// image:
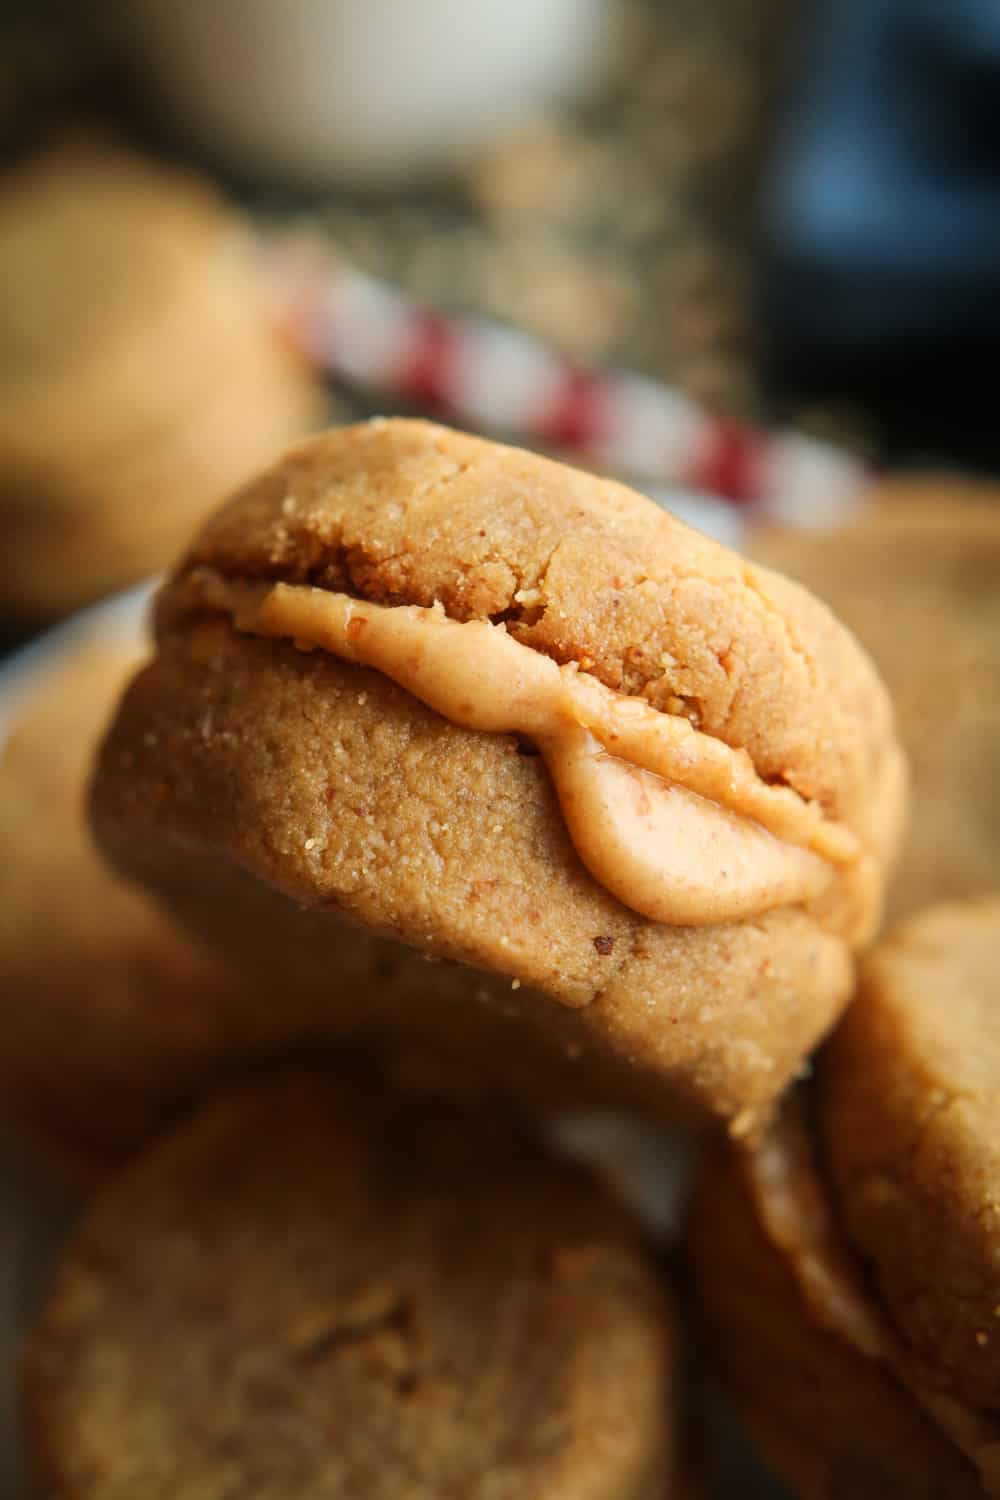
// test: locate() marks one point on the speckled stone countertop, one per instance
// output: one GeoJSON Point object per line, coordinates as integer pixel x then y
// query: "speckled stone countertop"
{"type": "Point", "coordinates": [619, 232]}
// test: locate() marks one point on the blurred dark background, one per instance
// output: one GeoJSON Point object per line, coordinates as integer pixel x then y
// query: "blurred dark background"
{"type": "Point", "coordinates": [784, 208]}
{"type": "Point", "coordinates": [616, 221]}
{"type": "Point", "coordinates": [880, 223]}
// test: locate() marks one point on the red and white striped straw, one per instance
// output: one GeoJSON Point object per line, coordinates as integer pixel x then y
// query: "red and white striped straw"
{"type": "Point", "coordinates": [363, 332]}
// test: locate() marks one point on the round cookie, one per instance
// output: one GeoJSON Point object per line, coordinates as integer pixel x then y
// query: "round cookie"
{"type": "Point", "coordinates": [914, 575]}
{"type": "Point", "coordinates": [246, 774]}
{"type": "Point", "coordinates": [317, 1289]}
{"type": "Point", "coordinates": [911, 1123]}
{"type": "Point", "coordinates": [113, 1019]}
{"type": "Point", "coordinates": [139, 381]}
{"type": "Point", "coordinates": [830, 1420]}
{"type": "Point", "coordinates": [849, 1260]}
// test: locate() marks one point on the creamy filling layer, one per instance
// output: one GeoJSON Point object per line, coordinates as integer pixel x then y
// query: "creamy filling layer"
{"type": "Point", "coordinates": [676, 824]}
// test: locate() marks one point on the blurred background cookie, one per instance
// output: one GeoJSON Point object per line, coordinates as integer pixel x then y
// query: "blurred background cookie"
{"type": "Point", "coordinates": [321, 1289]}
{"type": "Point", "coordinates": [139, 377]}
{"type": "Point", "coordinates": [614, 221]}
{"type": "Point", "coordinates": [916, 575]}
{"type": "Point", "coordinates": [111, 1020]}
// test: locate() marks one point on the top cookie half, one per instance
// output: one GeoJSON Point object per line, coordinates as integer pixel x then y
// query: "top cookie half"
{"type": "Point", "coordinates": [519, 717]}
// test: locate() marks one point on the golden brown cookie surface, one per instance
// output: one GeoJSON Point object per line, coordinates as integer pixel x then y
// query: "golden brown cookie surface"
{"type": "Point", "coordinates": [581, 569]}
{"type": "Point", "coordinates": [138, 376]}
{"type": "Point", "coordinates": [346, 794]}
{"type": "Point", "coordinates": [914, 575]}
{"type": "Point", "coordinates": [911, 1121]}
{"type": "Point", "coordinates": [326, 1291]}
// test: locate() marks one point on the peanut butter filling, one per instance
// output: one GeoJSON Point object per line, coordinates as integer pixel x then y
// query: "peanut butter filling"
{"type": "Point", "coordinates": [676, 824]}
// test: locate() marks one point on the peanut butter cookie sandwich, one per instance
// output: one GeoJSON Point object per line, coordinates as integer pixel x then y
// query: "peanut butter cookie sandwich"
{"type": "Point", "coordinates": [111, 1019]}
{"type": "Point", "coordinates": [446, 699]}
{"type": "Point", "coordinates": [914, 574]}
{"type": "Point", "coordinates": [316, 1289]}
{"type": "Point", "coordinates": [849, 1267]}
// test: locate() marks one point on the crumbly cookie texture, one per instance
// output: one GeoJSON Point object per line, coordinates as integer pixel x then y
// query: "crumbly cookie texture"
{"type": "Point", "coordinates": [913, 574]}
{"type": "Point", "coordinates": [321, 1289]}
{"type": "Point", "coordinates": [259, 758]}
{"type": "Point", "coordinates": [345, 794]}
{"type": "Point", "coordinates": [583, 570]}
{"type": "Point", "coordinates": [911, 1119]}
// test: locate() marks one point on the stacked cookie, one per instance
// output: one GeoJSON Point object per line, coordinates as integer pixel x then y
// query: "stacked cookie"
{"type": "Point", "coordinates": [522, 795]}
{"type": "Point", "coordinates": [139, 378]}
{"type": "Point", "coordinates": [848, 1266]}
{"type": "Point", "coordinates": [418, 695]}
